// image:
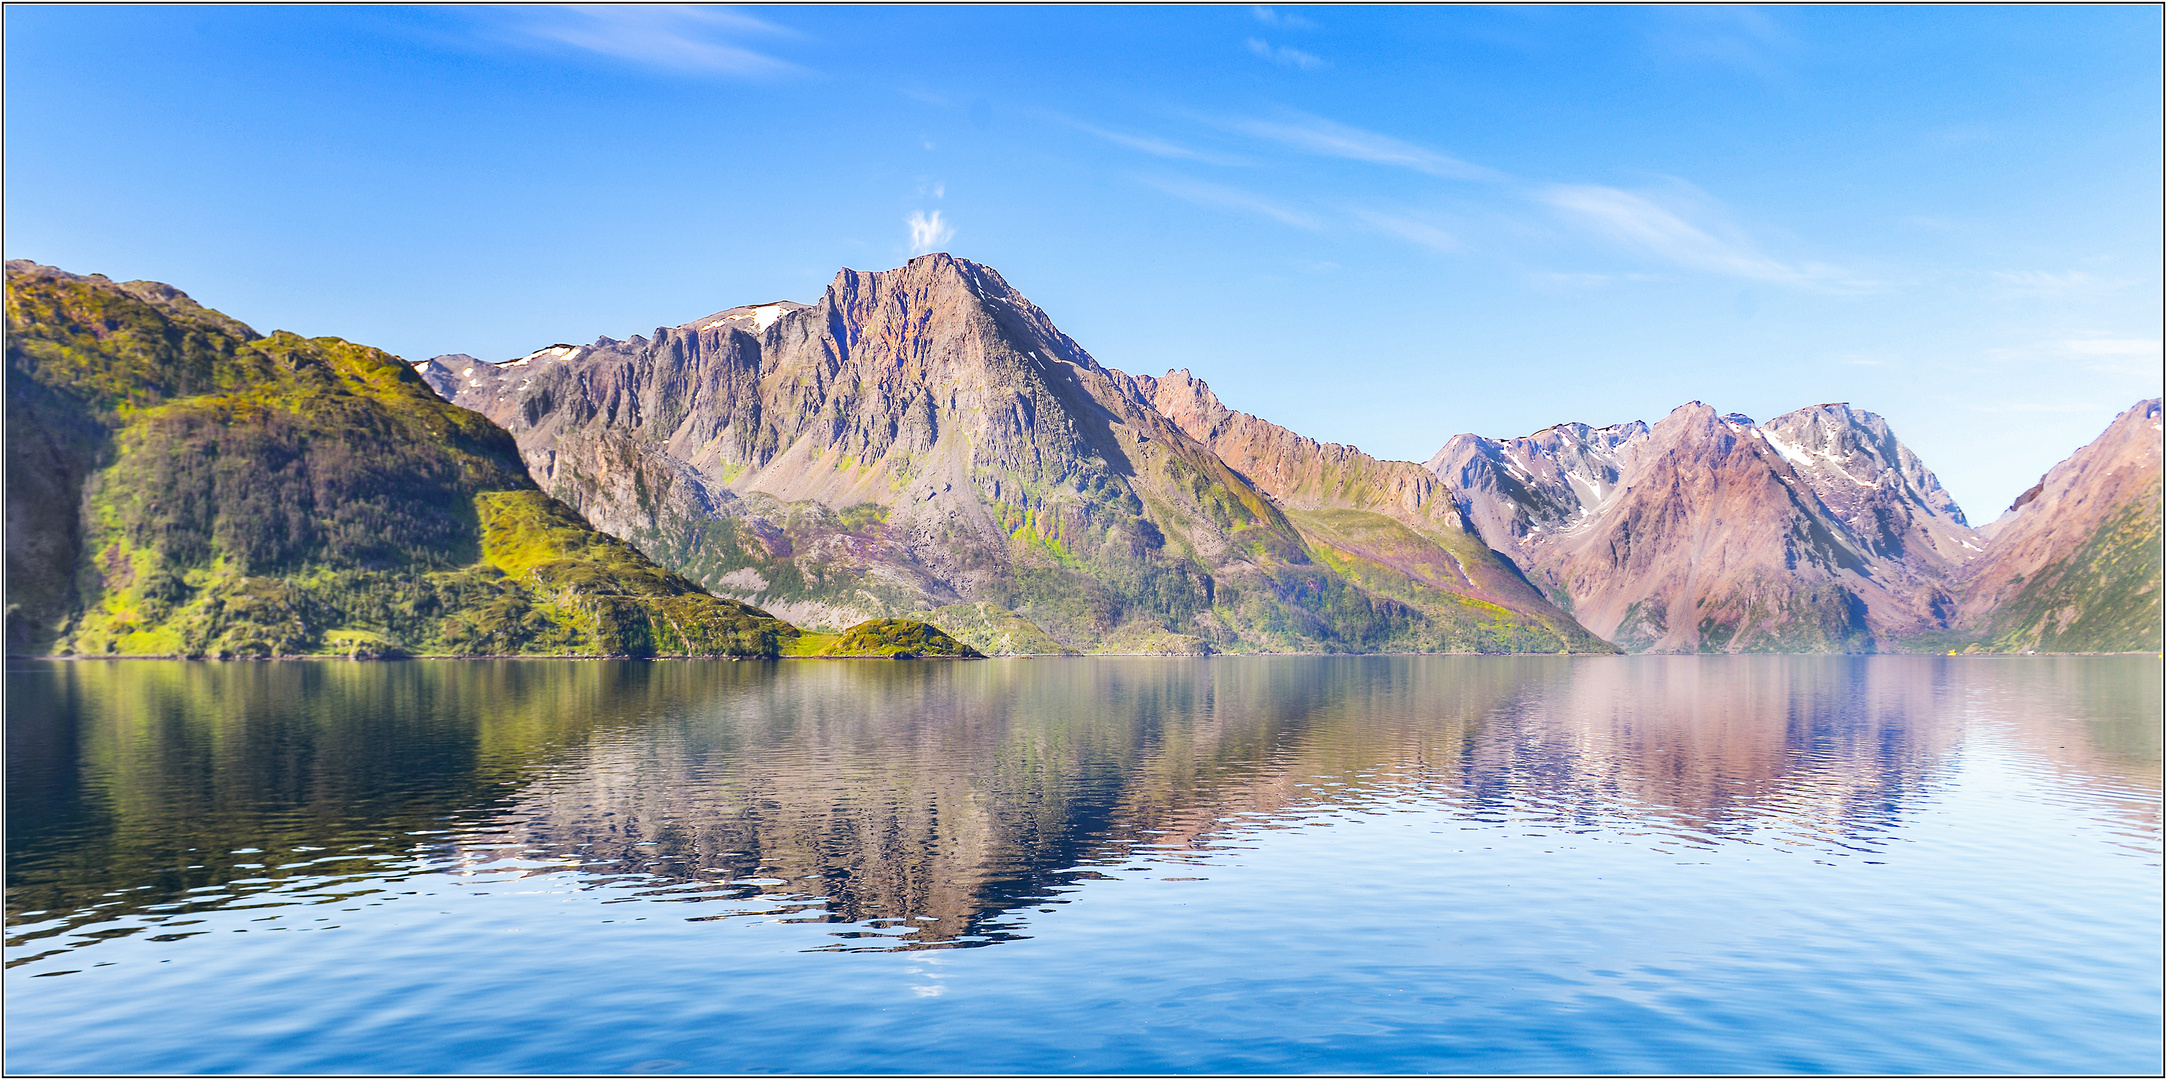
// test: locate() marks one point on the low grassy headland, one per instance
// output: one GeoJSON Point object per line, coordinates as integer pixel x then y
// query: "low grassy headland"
{"type": "Point", "coordinates": [900, 639]}
{"type": "Point", "coordinates": [179, 485]}
{"type": "Point", "coordinates": [993, 630]}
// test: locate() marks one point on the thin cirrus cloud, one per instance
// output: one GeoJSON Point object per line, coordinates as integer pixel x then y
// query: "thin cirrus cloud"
{"type": "Point", "coordinates": [927, 231]}
{"type": "Point", "coordinates": [1639, 224]}
{"type": "Point", "coordinates": [1230, 198]}
{"type": "Point", "coordinates": [681, 39]}
{"type": "Point", "coordinates": [1153, 145]}
{"type": "Point", "coordinates": [1316, 135]}
{"type": "Point", "coordinates": [2113, 346]}
{"type": "Point", "coordinates": [1743, 39]}
{"type": "Point", "coordinates": [1287, 55]}
{"type": "Point", "coordinates": [2056, 283]}
{"type": "Point", "coordinates": [1270, 16]}
{"type": "Point", "coordinates": [1695, 239]}
{"type": "Point", "coordinates": [2135, 357]}
{"type": "Point", "coordinates": [1413, 230]}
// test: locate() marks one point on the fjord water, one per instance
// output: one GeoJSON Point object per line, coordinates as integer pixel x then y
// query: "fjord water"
{"type": "Point", "coordinates": [1402, 864]}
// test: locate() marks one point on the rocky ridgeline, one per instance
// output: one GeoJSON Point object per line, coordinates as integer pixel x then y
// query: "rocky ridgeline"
{"type": "Point", "coordinates": [1817, 530]}
{"type": "Point", "coordinates": [923, 446]}
{"type": "Point", "coordinates": [925, 440]}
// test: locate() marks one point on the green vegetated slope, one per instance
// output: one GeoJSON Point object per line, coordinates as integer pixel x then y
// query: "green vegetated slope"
{"type": "Point", "coordinates": [1428, 572]}
{"type": "Point", "coordinates": [2105, 597]}
{"type": "Point", "coordinates": [180, 485]}
{"type": "Point", "coordinates": [993, 630]}
{"type": "Point", "coordinates": [896, 638]}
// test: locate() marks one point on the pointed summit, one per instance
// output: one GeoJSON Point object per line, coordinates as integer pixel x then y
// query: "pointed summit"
{"type": "Point", "coordinates": [925, 438]}
{"type": "Point", "coordinates": [1815, 531]}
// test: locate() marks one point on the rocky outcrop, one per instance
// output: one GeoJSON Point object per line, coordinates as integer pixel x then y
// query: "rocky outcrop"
{"type": "Point", "coordinates": [1817, 531]}
{"type": "Point", "coordinates": [2074, 564]}
{"type": "Point", "coordinates": [1894, 506]}
{"type": "Point", "coordinates": [926, 437]}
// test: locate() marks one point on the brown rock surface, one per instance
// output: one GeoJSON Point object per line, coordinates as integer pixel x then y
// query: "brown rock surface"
{"type": "Point", "coordinates": [2074, 564]}
{"type": "Point", "coordinates": [1704, 532]}
{"type": "Point", "coordinates": [923, 437]}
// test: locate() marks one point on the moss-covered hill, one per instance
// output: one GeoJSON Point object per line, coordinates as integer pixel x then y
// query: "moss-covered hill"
{"type": "Point", "coordinates": [902, 639]}
{"type": "Point", "coordinates": [179, 484]}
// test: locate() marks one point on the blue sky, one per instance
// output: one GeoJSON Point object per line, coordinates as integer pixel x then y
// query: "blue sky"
{"type": "Point", "coordinates": [1379, 226]}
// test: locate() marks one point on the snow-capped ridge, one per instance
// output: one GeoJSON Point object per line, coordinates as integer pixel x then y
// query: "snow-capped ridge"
{"type": "Point", "coordinates": [559, 351]}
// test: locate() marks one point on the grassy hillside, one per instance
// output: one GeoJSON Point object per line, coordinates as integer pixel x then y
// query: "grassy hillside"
{"type": "Point", "coordinates": [2104, 598]}
{"type": "Point", "coordinates": [901, 639]}
{"type": "Point", "coordinates": [178, 484]}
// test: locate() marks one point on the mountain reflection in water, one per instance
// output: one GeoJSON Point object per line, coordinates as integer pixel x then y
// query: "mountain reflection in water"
{"type": "Point", "coordinates": [932, 805]}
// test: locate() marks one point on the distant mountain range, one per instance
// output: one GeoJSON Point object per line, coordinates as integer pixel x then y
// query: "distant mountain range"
{"type": "Point", "coordinates": [924, 444]}
{"type": "Point", "coordinates": [1816, 531]}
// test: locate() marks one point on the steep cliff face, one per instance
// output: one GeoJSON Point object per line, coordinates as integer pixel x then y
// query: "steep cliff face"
{"type": "Point", "coordinates": [1708, 532]}
{"type": "Point", "coordinates": [178, 484]}
{"type": "Point", "coordinates": [2074, 565]}
{"type": "Point", "coordinates": [923, 438]}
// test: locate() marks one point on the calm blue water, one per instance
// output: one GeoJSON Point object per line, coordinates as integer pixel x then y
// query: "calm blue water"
{"type": "Point", "coordinates": [1452, 864]}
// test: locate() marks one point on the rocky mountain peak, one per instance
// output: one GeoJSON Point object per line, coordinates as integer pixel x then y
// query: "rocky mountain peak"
{"type": "Point", "coordinates": [1649, 532]}
{"type": "Point", "coordinates": [925, 437]}
{"type": "Point", "coordinates": [1188, 401]}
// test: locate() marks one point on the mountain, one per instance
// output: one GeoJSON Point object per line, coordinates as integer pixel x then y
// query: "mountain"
{"type": "Point", "coordinates": [925, 440]}
{"type": "Point", "coordinates": [1816, 531]}
{"type": "Point", "coordinates": [2074, 565]}
{"type": "Point", "coordinates": [1389, 525]}
{"type": "Point", "coordinates": [178, 484]}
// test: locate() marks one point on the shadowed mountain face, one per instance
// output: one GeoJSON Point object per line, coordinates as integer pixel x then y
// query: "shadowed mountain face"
{"type": "Point", "coordinates": [925, 440]}
{"type": "Point", "coordinates": [1817, 531]}
{"type": "Point", "coordinates": [178, 484]}
{"type": "Point", "coordinates": [2074, 565]}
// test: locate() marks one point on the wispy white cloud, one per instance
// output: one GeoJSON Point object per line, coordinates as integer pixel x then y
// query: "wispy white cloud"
{"type": "Point", "coordinates": [2056, 283]}
{"type": "Point", "coordinates": [2135, 358]}
{"type": "Point", "coordinates": [1316, 135]}
{"type": "Point", "coordinates": [1576, 280]}
{"type": "Point", "coordinates": [1414, 230]}
{"type": "Point", "coordinates": [1287, 55]}
{"type": "Point", "coordinates": [2127, 357]}
{"type": "Point", "coordinates": [1743, 39]}
{"type": "Point", "coordinates": [1152, 144]}
{"type": "Point", "coordinates": [1639, 224]}
{"type": "Point", "coordinates": [2113, 346]}
{"type": "Point", "coordinates": [1229, 198]}
{"type": "Point", "coordinates": [689, 39]}
{"type": "Point", "coordinates": [927, 232]}
{"type": "Point", "coordinates": [1270, 16]}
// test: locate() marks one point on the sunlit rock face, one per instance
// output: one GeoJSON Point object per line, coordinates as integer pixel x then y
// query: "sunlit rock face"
{"type": "Point", "coordinates": [1816, 531]}
{"type": "Point", "coordinates": [925, 437]}
{"type": "Point", "coordinates": [1390, 524]}
{"type": "Point", "coordinates": [2074, 565]}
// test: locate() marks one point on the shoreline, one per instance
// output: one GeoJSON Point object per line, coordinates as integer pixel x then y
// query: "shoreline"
{"type": "Point", "coordinates": [1011, 656]}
